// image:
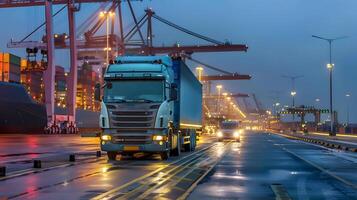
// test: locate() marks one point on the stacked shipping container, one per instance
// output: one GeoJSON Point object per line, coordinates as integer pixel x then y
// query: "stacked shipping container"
{"type": "Point", "coordinates": [33, 82]}
{"type": "Point", "coordinates": [10, 68]}
{"type": "Point", "coordinates": [87, 79]}
{"type": "Point", "coordinates": [15, 69]}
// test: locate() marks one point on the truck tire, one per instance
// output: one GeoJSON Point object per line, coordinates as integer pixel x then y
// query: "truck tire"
{"type": "Point", "coordinates": [193, 146]}
{"type": "Point", "coordinates": [112, 155]}
{"type": "Point", "coordinates": [194, 141]}
{"type": "Point", "coordinates": [165, 155]}
{"type": "Point", "coordinates": [177, 150]}
{"type": "Point", "coordinates": [187, 147]}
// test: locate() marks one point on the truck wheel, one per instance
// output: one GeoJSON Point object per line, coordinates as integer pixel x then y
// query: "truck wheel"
{"type": "Point", "coordinates": [187, 147]}
{"type": "Point", "coordinates": [112, 155]}
{"type": "Point", "coordinates": [193, 146]}
{"type": "Point", "coordinates": [164, 155]}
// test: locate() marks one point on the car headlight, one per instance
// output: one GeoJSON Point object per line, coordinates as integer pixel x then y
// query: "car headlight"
{"type": "Point", "coordinates": [106, 137]}
{"type": "Point", "coordinates": [219, 134]}
{"type": "Point", "coordinates": [236, 134]}
{"type": "Point", "coordinates": [158, 137]}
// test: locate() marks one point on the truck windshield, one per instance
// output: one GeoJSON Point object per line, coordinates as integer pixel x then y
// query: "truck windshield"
{"type": "Point", "coordinates": [134, 91]}
{"type": "Point", "coordinates": [229, 125]}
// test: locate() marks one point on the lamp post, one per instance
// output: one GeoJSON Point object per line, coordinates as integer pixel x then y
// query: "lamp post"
{"type": "Point", "coordinates": [348, 109]}
{"type": "Point", "coordinates": [317, 100]}
{"type": "Point", "coordinates": [293, 91]}
{"type": "Point", "coordinates": [199, 71]}
{"type": "Point", "coordinates": [293, 94]}
{"type": "Point", "coordinates": [219, 88]}
{"type": "Point", "coordinates": [330, 66]}
{"type": "Point", "coordinates": [107, 15]}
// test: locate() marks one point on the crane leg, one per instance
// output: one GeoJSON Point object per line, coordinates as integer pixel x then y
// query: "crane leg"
{"type": "Point", "coordinates": [49, 74]}
{"type": "Point", "coordinates": [72, 79]}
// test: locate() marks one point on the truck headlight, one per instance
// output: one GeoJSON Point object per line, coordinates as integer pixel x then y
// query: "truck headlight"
{"type": "Point", "coordinates": [219, 134]}
{"type": "Point", "coordinates": [158, 138]}
{"type": "Point", "coordinates": [236, 134]}
{"type": "Point", "coordinates": [106, 137]}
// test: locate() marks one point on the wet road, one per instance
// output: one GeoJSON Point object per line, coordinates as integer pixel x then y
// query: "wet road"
{"type": "Point", "coordinates": [90, 176]}
{"type": "Point", "coordinates": [265, 166]}
{"type": "Point", "coordinates": [261, 166]}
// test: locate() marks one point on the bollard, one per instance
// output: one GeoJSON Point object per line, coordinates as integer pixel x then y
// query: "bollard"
{"type": "Point", "coordinates": [2, 171]}
{"type": "Point", "coordinates": [99, 153]}
{"type": "Point", "coordinates": [37, 164]}
{"type": "Point", "coordinates": [72, 158]}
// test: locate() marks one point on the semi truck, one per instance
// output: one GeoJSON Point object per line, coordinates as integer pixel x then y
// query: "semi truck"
{"type": "Point", "coordinates": [150, 104]}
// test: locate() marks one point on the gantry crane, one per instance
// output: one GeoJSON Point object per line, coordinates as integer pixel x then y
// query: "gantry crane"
{"type": "Point", "coordinates": [92, 46]}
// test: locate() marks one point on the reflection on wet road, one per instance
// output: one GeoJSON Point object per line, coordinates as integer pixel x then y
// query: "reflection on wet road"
{"type": "Point", "coordinates": [261, 166]}
{"type": "Point", "coordinates": [265, 166]}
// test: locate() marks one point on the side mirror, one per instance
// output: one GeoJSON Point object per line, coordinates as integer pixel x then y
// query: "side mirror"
{"type": "Point", "coordinates": [173, 92]}
{"type": "Point", "coordinates": [97, 92]}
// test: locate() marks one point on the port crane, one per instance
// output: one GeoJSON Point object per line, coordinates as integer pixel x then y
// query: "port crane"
{"type": "Point", "coordinates": [92, 46]}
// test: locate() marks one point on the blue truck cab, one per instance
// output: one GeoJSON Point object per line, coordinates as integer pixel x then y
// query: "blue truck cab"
{"type": "Point", "coordinates": [149, 104]}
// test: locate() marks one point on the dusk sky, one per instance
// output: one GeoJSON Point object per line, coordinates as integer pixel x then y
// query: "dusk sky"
{"type": "Point", "coordinates": [278, 33]}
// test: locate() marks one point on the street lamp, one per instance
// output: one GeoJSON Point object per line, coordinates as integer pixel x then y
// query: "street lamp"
{"type": "Point", "coordinates": [107, 15]}
{"type": "Point", "coordinates": [348, 109]}
{"type": "Point", "coordinates": [219, 88]}
{"type": "Point", "coordinates": [199, 71]}
{"type": "Point", "coordinates": [317, 101]}
{"type": "Point", "coordinates": [293, 91]}
{"type": "Point", "coordinates": [330, 66]}
{"type": "Point", "coordinates": [293, 94]}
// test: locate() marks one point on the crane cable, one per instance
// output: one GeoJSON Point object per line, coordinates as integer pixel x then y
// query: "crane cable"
{"type": "Point", "coordinates": [207, 65]}
{"type": "Point", "coordinates": [44, 23]}
{"type": "Point", "coordinates": [186, 30]}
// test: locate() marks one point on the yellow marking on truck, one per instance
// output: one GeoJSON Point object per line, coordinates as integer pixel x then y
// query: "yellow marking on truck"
{"type": "Point", "coordinates": [131, 148]}
{"type": "Point", "coordinates": [191, 125]}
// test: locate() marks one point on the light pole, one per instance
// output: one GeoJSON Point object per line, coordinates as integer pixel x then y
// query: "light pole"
{"type": "Point", "coordinates": [330, 66]}
{"type": "Point", "coordinates": [276, 108]}
{"type": "Point", "coordinates": [107, 15]}
{"type": "Point", "coordinates": [348, 109]}
{"type": "Point", "coordinates": [199, 71]}
{"type": "Point", "coordinates": [219, 88]}
{"type": "Point", "coordinates": [317, 100]}
{"type": "Point", "coordinates": [293, 91]}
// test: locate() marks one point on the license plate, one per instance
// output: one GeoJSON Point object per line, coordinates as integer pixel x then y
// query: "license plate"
{"type": "Point", "coordinates": [131, 148]}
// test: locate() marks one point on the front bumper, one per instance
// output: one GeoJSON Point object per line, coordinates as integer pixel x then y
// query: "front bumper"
{"type": "Point", "coordinates": [229, 136]}
{"type": "Point", "coordinates": [153, 147]}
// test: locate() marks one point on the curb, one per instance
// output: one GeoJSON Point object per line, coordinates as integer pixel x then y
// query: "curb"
{"type": "Point", "coordinates": [319, 142]}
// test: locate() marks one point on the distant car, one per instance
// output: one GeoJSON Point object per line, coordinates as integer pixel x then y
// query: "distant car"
{"type": "Point", "coordinates": [229, 130]}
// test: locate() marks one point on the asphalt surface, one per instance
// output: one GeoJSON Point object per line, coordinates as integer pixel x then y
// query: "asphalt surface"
{"type": "Point", "coordinates": [266, 166]}
{"type": "Point", "coordinates": [261, 166]}
{"type": "Point", "coordinates": [60, 179]}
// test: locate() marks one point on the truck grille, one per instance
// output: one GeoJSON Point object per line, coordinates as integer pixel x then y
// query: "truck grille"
{"type": "Point", "coordinates": [128, 116]}
{"type": "Point", "coordinates": [132, 139]}
{"type": "Point", "coordinates": [132, 125]}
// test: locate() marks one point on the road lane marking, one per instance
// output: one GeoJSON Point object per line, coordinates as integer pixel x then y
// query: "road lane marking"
{"type": "Point", "coordinates": [322, 169]}
{"type": "Point", "coordinates": [194, 185]}
{"type": "Point", "coordinates": [348, 183]}
{"type": "Point", "coordinates": [167, 177]}
{"type": "Point", "coordinates": [109, 194]}
{"type": "Point", "coordinates": [280, 192]}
